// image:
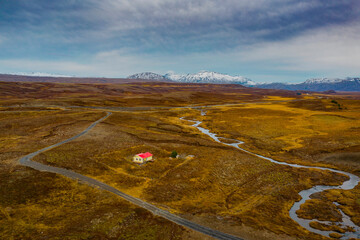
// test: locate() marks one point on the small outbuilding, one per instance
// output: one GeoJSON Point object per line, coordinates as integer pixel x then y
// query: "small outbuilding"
{"type": "Point", "coordinates": [142, 157]}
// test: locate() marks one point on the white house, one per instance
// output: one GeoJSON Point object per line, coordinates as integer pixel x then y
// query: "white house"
{"type": "Point", "coordinates": [142, 157]}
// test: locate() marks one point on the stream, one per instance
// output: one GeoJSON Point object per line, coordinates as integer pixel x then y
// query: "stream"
{"type": "Point", "coordinates": [305, 194]}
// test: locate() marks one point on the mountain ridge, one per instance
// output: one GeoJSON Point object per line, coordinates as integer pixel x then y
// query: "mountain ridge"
{"type": "Point", "coordinates": [147, 76]}
{"type": "Point", "coordinates": [317, 85]}
{"type": "Point", "coordinates": [199, 77]}
{"type": "Point", "coordinates": [40, 74]}
{"type": "Point", "coordinates": [311, 84]}
{"type": "Point", "coordinates": [209, 77]}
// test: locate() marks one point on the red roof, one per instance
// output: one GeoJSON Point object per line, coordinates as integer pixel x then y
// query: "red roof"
{"type": "Point", "coordinates": [145, 155]}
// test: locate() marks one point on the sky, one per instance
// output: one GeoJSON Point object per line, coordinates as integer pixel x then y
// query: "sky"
{"type": "Point", "coordinates": [264, 40]}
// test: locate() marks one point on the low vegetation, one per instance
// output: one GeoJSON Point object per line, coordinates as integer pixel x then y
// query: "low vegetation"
{"type": "Point", "coordinates": [218, 186]}
{"type": "Point", "coordinates": [310, 132]}
{"type": "Point", "coordinates": [35, 205]}
{"type": "Point", "coordinates": [44, 206]}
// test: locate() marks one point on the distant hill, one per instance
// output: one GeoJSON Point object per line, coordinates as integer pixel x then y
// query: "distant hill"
{"type": "Point", "coordinates": [64, 79]}
{"type": "Point", "coordinates": [39, 74]}
{"type": "Point", "coordinates": [200, 77]}
{"type": "Point", "coordinates": [318, 85]}
{"type": "Point", "coordinates": [209, 77]}
{"type": "Point", "coordinates": [313, 84]}
{"type": "Point", "coordinates": [147, 76]}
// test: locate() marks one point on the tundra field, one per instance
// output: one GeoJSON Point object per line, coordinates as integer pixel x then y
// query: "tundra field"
{"type": "Point", "coordinates": [209, 183]}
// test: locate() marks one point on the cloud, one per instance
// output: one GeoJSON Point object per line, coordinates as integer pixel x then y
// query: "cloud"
{"type": "Point", "coordinates": [103, 64]}
{"type": "Point", "coordinates": [334, 50]}
{"type": "Point", "coordinates": [115, 38]}
{"type": "Point", "coordinates": [174, 25]}
{"type": "Point", "coordinates": [196, 25]}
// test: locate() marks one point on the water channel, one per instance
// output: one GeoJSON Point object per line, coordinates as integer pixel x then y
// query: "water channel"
{"type": "Point", "coordinates": [352, 182]}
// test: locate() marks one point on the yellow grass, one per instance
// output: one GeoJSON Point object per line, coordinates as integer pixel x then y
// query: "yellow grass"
{"type": "Point", "coordinates": [230, 187]}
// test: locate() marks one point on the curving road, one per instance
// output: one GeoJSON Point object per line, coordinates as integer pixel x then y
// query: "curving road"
{"type": "Point", "coordinates": [26, 161]}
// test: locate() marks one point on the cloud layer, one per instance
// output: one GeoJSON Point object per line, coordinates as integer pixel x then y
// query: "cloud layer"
{"type": "Point", "coordinates": [168, 34]}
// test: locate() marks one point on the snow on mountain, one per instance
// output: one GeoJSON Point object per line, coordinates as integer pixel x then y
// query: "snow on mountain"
{"type": "Point", "coordinates": [312, 84]}
{"type": "Point", "coordinates": [39, 74]}
{"type": "Point", "coordinates": [326, 80]}
{"type": "Point", "coordinates": [147, 75]}
{"type": "Point", "coordinates": [318, 84]}
{"type": "Point", "coordinates": [209, 77]}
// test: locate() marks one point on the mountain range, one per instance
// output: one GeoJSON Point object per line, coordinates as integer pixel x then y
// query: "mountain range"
{"type": "Point", "coordinates": [318, 85]}
{"type": "Point", "coordinates": [147, 76]}
{"type": "Point", "coordinates": [313, 84]}
{"type": "Point", "coordinates": [40, 74]}
{"type": "Point", "coordinates": [200, 77]}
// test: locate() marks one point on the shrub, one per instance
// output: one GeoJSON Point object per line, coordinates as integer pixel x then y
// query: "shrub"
{"type": "Point", "coordinates": [173, 154]}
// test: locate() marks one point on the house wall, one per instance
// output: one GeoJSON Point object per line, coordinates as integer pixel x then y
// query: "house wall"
{"type": "Point", "coordinates": [138, 159]}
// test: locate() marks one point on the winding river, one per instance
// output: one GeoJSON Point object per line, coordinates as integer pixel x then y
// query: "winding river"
{"type": "Point", "coordinates": [305, 194]}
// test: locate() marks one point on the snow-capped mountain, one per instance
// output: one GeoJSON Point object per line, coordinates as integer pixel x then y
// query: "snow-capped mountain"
{"type": "Point", "coordinates": [147, 76]}
{"type": "Point", "coordinates": [312, 84]}
{"type": "Point", "coordinates": [327, 80]}
{"type": "Point", "coordinates": [39, 74]}
{"type": "Point", "coordinates": [318, 84]}
{"type": "Point", "coordinates": [200, 77]}
{"type": "Point", "coordinates": [209, 77]}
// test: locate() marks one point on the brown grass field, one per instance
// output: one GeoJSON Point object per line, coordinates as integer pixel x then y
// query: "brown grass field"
{"type": "Point", "coordinates": [220, 186]}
